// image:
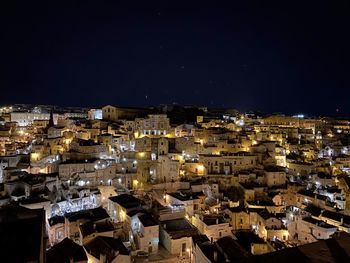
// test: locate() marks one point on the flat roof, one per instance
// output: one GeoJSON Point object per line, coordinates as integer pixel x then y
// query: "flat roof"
{"type": "Point", "coordinates": [317, 222]}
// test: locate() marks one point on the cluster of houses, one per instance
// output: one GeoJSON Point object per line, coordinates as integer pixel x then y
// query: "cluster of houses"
{"type": "Point", "coordinates": [133, 185]}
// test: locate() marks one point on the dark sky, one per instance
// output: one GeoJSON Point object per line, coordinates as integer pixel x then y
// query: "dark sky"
{"type": "Point", "coordinates": [289, 56]}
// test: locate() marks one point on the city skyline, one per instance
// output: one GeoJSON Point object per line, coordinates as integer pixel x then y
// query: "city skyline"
{"type": "Point", "coordinates": [167, 107]}
{"type": "Point", "coordinates": [270, 57]}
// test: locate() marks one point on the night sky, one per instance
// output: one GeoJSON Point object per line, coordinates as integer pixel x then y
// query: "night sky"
{"type": "Point", "coordinates": [286, 56]}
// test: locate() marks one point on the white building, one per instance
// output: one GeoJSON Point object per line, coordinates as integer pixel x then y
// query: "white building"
{"type": "Point", "coordinates": [27, 118]}
{"type": "Point", "coordinates": [176, 236]}
{"type": "Point", "coordinates": [214, 227]}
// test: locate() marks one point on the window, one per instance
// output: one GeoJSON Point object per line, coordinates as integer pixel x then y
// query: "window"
{"type": "Point", "coordinates": [183, 247]}
{"type": "Point", "coordinates": [60, 235]}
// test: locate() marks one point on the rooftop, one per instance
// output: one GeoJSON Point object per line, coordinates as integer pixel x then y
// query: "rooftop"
{"type": "Point", "coordinates": [233, 250]}
{"type": "Point", "coordinates": [66, 250]}
{"type": "Point", "coordinates": [317, 222]}
{"type": "Point", "coordinates": [179, 228]}
{"type": "Point", "coordinates": [266, 215]}
{"type": "Point", "coordinates": [310, 193]}
{"type": "Point", "coordinates": [247, 238]}
{"type": "Point", "coordinates": [251, 185]}
{"type": "Point", "coordinates": [106, 245]}
{"type": "Point", "coordinates": [34, 200]}
{"type": "Point", "coordinates": [336, 216]}
{"type": "Point", "coordinates": [185, 196]}
{"type": "Point", "coordinates": [213, 220]}
{"type": "Point", "coordinates": [127, 201]}
{"type": "Point", "coordinates": [313, 210]}
{"type": "Point", "coordinates": [90, 227]}
{"type": "Point", "coordinates": [147, 220]}
{"type": "Point", "coordinates": [95, 214]}
{"type": "Point", "coordinates": [334, 250]}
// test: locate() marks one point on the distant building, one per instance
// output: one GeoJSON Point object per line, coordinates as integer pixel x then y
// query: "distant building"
{"type": "Point", "coordinates": [27, 118]}
{"type": "Point", "coordinates": [111, 113]}
{"type": "Point", "coordinates": [95, 114]}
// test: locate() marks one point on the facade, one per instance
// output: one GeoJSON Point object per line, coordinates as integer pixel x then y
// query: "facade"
{"type": "Point", "coordinates": [27, 118]}
{"type": "Point", "coordinates": [111, 113]}
{"type": "Point", "coordinates": [228, 164]}
{"type": "Point", "coordinates": [146, 234]}
{"type": "Point", "coordinates": [191, 202]}
{"type": "Point", "coordinates": [176, 236]}
{"type": "Point", "coordinates": [309, 229]}
{"type": "Point", "coordinates": [213, 227]}
{"type": "Point", "coordinates": [154, 125]}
